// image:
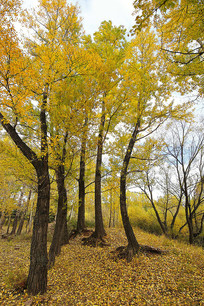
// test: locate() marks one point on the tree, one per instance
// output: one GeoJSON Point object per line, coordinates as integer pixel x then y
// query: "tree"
{"type": "Point", "coordinates": [180, 27]}
{"type": "Point", "coordinates": [13, 71]}
{"type": "Point", "coordinates": [185, 152]}
{"type": "Point", "coordinates": [148, 87]}
{"type": "Point", "coordinates": [23, 213]}
{"type": "Point", "coordinates": [157, 177]}
{"type": "Point", "coordinates": [109, 43]}
{"type": "Point", "coordinates": [26, 86]}
{"type": "Point", "coordinates": [81, 206]}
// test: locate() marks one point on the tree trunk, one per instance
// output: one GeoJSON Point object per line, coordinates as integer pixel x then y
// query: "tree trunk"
{"type": "Point", "coordinates": [111, 208]}
{"type": "Point", "coordinates": [114, 215]}
{"type": "Point", "coordinates": [37, 277]}
{"type": "Point", "coordinates": [21, 222]}
{"type": "Point", "coordinates": [133, 245]}
{"type": "Point", "coordinates": [189, 221]}
{"type": "Point", "coordinates": [2, 220]}
{"type": "Point", "coordinates": [17, 215]}
{"type": "Point", "coordinates": [15, 223]}
{"type": "Point", "coordinates": [20, 227]}
{"type": "Point", "coordinates": [59, 231]}
{"type": "Point", "coordinates": [81, 207]}
{"type": "Point", "coordinates": [30, 221]}
{"type": "Point", "coordinates": [8, 224]}
{"type": "Point", "coordinates": [99, 232]}
{"type": "Point", "coordinates": [175, 214]}
{"type": "Point", "coordinates": [162, 225]}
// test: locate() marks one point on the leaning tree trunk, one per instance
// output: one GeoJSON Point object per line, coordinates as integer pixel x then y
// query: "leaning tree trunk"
{"type": "Point", "coordinates": [37, 277]}
{"type": "Point", "coordinates": [60, 226]}
{"type": "Point", "coordinates": [99, 232]}
{"type": "Point", "coordinates": [133, 245]}
{"type": "Point", "coordinates": [81, 208]}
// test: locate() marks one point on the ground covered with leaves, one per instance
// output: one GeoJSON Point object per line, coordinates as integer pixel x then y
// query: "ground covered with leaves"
{"type": "Point", "coordinates": [86, 275]}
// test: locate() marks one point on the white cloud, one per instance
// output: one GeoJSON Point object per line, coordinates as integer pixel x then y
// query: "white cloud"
{"type": "Point", "coordinates": [96, 11]}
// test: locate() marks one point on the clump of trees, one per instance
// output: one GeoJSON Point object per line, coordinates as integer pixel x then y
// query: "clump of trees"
{"type": "Point", "coordinates": [71, 103]}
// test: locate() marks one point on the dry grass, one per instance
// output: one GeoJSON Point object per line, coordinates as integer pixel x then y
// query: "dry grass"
{"type": "Point", "coordinates": [85, 275]}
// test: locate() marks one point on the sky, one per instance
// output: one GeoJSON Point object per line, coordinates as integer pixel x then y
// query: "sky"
{"type": "Point", "coordinates": [94, 12]}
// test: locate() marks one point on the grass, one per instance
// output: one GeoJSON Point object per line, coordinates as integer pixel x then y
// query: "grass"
{"type": "Point", "coordinates": [85, 275]}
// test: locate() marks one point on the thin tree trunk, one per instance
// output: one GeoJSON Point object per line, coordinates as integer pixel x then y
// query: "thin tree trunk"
{"type": "Point", "coordinates": [81, 205]}
{"type": "Point", "coordinates": [111, 208]}
{"type": "Point", "coordinates": [189, 221]}
{"type": "Point", "coordinates": [30, 221]}
{"type": "Point", "coordinates": [176, 214]}
{"type": "Point", "coordinates": [20, 227]}
{"type": "Point", "coordinates": [2, 220]}
{"type": "Point", "coordinates": [8, 225]}
{"type": "Point", "coordinates": [151, 199]}
{"type": "Point", "coordinates": [18, 214]}
{"type": "Point", "coordinates": [114, 215]}
{"type": "Point", "coordinates": [99, 232]}
{"type": "Point", "coordinates": [133, 245]}
{"type": "Point", "coordinates": [162, 225]}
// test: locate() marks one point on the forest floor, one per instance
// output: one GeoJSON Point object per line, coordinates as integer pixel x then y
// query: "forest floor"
{"type": "Point", "coordinates": [85, 275]}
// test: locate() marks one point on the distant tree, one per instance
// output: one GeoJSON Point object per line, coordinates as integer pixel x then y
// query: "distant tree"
{"type": "Point", "coordinates": [184, 151]}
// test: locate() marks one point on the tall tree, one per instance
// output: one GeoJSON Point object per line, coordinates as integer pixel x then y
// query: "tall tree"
{"type": "Point", "coordinates": [14, 97]}
{"type": "Point", "coordinates": [109, 42]}
{"type": "Point", "coordinates": [81, 206]}
{"type": "Point", "coordinates": [148, 88]}
{"type": "Point", "coordinates": [26, 88]}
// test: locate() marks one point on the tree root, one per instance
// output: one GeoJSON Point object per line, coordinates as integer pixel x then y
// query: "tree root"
{"type": "Point", "coordinates": [95, 241]}
{"type": "Point", "coordinates": [74, 233]}
{"type": "Point", "coordinates": [127, 252]}
{"type": "Point", "coordinates": [150, 249]}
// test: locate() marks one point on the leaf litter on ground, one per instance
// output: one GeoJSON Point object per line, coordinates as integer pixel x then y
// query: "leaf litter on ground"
{"type": "Point", "coordinates": [85, 275]}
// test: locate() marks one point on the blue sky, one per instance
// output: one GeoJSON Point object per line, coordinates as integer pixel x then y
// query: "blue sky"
{"type": "Point", "coordinates": [94, 12]}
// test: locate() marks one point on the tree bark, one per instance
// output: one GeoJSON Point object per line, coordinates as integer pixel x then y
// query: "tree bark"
{"type": "Point", "coordinates": [61, 221]}
{"type": "Point", "coordinates": [37, 277]}
{"type": "Point", "coordinates": [133, 245]}
{"type": "Point", "coordinates": [17, 215]}
{"type": "Point", "coordinates": [22, 219]}
{"type": "Point", "coordinates": [30, 221]}
{"type": "Point", "coordinates": [81, 205]}
{"type": "Point", "coordinates": [8, 225]}
{"type": "Point", "coordinates": [111, 208]}
{"type": "Point", "coordinates": [99, 232]}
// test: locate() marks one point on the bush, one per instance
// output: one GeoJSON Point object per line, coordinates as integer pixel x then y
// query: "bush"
{"type": "Point", "coordinates": [144, 219]}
